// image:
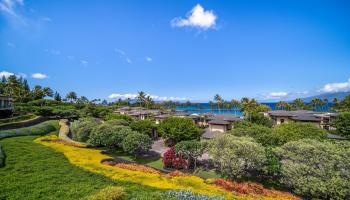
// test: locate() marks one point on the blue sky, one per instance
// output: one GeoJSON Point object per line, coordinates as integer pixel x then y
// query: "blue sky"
{"type": "Point", "coordinates": [180, 49]}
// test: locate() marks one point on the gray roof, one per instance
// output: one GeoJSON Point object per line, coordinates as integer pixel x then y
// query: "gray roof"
{"type": "Point", "coordinates": [285, 113]}
{"type": "Point", "coordinates": [218, 121]}
{"type": "Point", "coordinates": [229, 118]}
{"type": "Point", "coordinates": [164, 116]}
{"type": "Point", "coordinates": [307, 118]}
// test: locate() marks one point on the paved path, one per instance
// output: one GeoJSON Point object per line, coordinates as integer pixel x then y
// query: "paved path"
{"type": "Point", "coordinates": [159, 147]}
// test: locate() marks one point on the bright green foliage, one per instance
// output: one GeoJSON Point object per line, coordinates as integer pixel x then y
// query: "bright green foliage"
{"type": "Point", "coordinates": [118, 122]}
{"type": "Point", "coordinates": [82, 128]}
{"type": "Point", "coordinates": [109, 193]}
{"type": "Point", "coordinates": [237, 157]}
{"type": "Point", "coordinates": [344, 105]}
{"type": "Point", "coordinates": [295, 131]}
{"type": "Point", "coordinates": [34, 172]}
{"type": "Point", "coordinates": [342, 123]}
{"type": "Point", "coordinates": [39, 129]}
{"type": "Point", "coordinates": [191, 149]}
{"type": "Point", "coordinates": [136, 143]}
{"type": "Point", "coordinates": [261, 134]}
{"type": "Point", "coordinates": [177, 129]}
{"type": "Point", "coordinates": [316, 169]}
{"type": "Point", "coordinates": [119, 116]}
{"type": "Point", "coordinates": [260, 119]}
{"type": "Point", "coordinates": [143, 126]}
{"type": "Point", "coordinates": [17, 119]}
{"type": "Point", "coordinates": [108, 135]}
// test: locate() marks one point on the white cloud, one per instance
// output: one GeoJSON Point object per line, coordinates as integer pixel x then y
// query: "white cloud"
{"type": "Point", "coordinates": [148, 59]}
{"type": "Point", "coordinates": [23, 75]}
{"type": "Point", "coordinates": [39, 76]}
{"type": "Point", "coordinates": [154, 97]}
{"type": "Point", "coordinates": [336, 87]}
{"type": "Point", "coordinates": [123, 55]}
{"type": "Point", "coordinates": [9, 6]}
{"type": "Point", "coordinates": [10, 44]}
{"type": "Point", "coordinates": [197, 17]}
{"type": "Point", "coordinates": [46, 19]}
{"type": "Point", "coordinates": [278, 94]}
{"type": "Point", "coordinates": [84, 62]}
{"type": "Point", "coordinates": [6, 74]}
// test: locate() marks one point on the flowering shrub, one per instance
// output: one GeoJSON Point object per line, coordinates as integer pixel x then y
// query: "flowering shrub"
{"type": "Point", "coordinates": [177, 173]}
{"type": "Point", "coordinates": [136, 167]}
{"type": "Point", "coordinates": [109, 193]}
{"type": "Point", "coordinates": [173, 160]}
{"type": "Point", "coordinates": [249, 188]}
{"type": "Point", "coordinates": [188, 195]}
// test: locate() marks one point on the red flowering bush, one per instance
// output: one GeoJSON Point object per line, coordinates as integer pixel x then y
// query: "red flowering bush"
{"type": "Point", "coordinates": [173, 160]}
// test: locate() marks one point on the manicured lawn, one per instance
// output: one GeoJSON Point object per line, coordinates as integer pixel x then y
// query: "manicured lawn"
{"type": "Point", "coordinates": [206, 174]}
{"type": "Point", "coordinates": [33, 171]}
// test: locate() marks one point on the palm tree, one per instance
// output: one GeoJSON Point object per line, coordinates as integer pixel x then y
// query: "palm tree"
{"type": "Point", "coordinates": [335, 100]}
{"type": "Point", "coordinates": [235, 104]}
{"type": "Point", "coordinates": [218, 100]}
{"type": "Point", "coordinates": [141, 98]}
{"type": "Point", "coordinates": [325, 102]}
{"type": "Point", "coordinates": [298, 104]}
{"type": "Point", "coordinates": [316, 102]}
{"type": "Point", "coordinates": [72, 96]}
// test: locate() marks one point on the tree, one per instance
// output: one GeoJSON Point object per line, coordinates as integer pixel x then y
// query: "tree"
{"type": "Point", "coordinates": [298, 104]}
{"type": "Point", "coordinates": [57, 96]}
{"type": "Point", "coordinates": [176, 129]}
{"type": "Point", "coordinates": [82, 128]}
{"type": "Point", "coordinates": [237, 157]}
{"type": "Point", "coordinates": [316, 170]}
{"type": "Point", "coordinates": [343, 105]}
{"type": "Point", "coordinates": [191, 150]}
{"type": "Point", "coordinates": [218, 100]}
{"type": "Point", "coordinates": [141, 98]}
{"type": "Point", "coordinates": [146, 127]}
{"type": "Point", "coordinates": [342, 124]}
{"type": "Point", "coordinates": [72, 96]}
{"type": "Point", "coordinates": [136, 143]}
{"type": "Point", "coordinates": [261, 134]}
{"type": "Point", "coordinates": [260, 119]}
{"type": "Point", "coordinates": [282, 105]}
{"type": "Point", "coordinates": [236, 105]}
{"type": "Point", "coordinates": [295, 131]}
{"type": "Point", "coordinates": [111, 116]}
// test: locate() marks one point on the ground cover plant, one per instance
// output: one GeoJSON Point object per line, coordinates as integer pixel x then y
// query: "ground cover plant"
{"type": "Point", "coordinates": [34, 171]}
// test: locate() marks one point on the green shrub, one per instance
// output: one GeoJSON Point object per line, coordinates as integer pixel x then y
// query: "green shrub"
{"type": "Point", "coordinates": [66, 113]}
{"type": "Point", "coordinates": [109, 193]}
{"type": "Point", "coordinates": [2, 157]}
{"type": "Point", "coordinates": [342, 124]}
{"type": "Point", "coordinates": [118, 122]}
{"type": "Point", "coordinates": [261, 134]}
{"type": "Point", "coordinates": [136, 143]}
{"type": "Point", "coordinates": [237, 157]}
{"type": "Point", "coordinates": [191, 149]}
{"type": "Point", "coordinates": [143, 126]}
{"type": "Point", "coordinates": [260, 119]}
{"type": "Point", "coordinates": [108, 135]}
{"type": "Point", "coordinates": [316, 169]}
{"type": "Point", "coordinates": [82, 128]}
{"type": "Point", "coordinates": [39, 129]}
{"type": "Point", "coordinates": [119, 116]}
{"type": "Point", "coordinates": [295, 131]}
{"type": "Point", "coordinates": [176, 129]}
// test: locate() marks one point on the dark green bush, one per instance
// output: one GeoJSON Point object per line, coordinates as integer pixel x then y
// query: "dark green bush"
{"type": "Point", "coordinates": [2, 157]}
{"type": "Point", "coordinates": [136, 143]}
{"type": "Point", "coordinates": [82, 128]}
{"type": "Point", "coordinates": [342, 124]}
{"type": "Point", "coordinates": [118, 122]}
{"type": "Point", "coordinates": [111, 116]}
{"type": "Point", "coordinates": [108, 135]}
{"type": "Point", "coordinates": [144, 126]}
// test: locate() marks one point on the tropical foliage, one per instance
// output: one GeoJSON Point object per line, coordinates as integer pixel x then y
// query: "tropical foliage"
{"type": "Point", "coordinates": [191, 150]}
{"type": "Point", "coordinates": [342, 124]}
{"type": "Point", "coordinates": [136, 143]}
{"type": "Point", "coordinates": [316, 169]}
{"type": "Point", "coordinates": [146, 127]}
{"type": "Point", "coordinates": [82, 128]}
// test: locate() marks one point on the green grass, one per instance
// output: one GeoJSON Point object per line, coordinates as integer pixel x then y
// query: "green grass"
{"type": "Point", "coordinates": [33, 171]}
{"type": "Point", "coordinates": [206, 173]}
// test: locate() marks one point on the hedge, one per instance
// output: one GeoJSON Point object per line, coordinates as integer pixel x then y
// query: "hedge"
{"type": "Point", "coordinates": [39, 129]}
{"type": "Point", "coordinates": [21, 124]}
{"type": "Point", "coordinates": [17, 118]}
{"type": "Point", "coordinates": [2, 157]}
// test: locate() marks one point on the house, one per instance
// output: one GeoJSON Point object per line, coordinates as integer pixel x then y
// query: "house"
{"type": "Point", "coordinates": [6, 106]}
{"type": "Point", "coordinates": [160, 118]}
{"type": "Point", "coordinates": [219, 124]}
{"type": "Point", "coordinates": [322, 120]}
{"type": "Point", "coordinates": [143, 114]}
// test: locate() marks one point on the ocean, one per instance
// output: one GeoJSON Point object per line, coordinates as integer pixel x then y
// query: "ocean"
{"type": "Point", "coordinates": [205, 108]}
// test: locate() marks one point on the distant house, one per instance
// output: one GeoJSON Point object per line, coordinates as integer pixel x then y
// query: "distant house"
{"type": "Point", "coordinates": [6, 106]}
{"type": "Point", "coordinates": [143, 114]}
{"type": "Point", "coordinates": [322, 120]}
{"type": "Point", "coordinates": [219, 124]}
